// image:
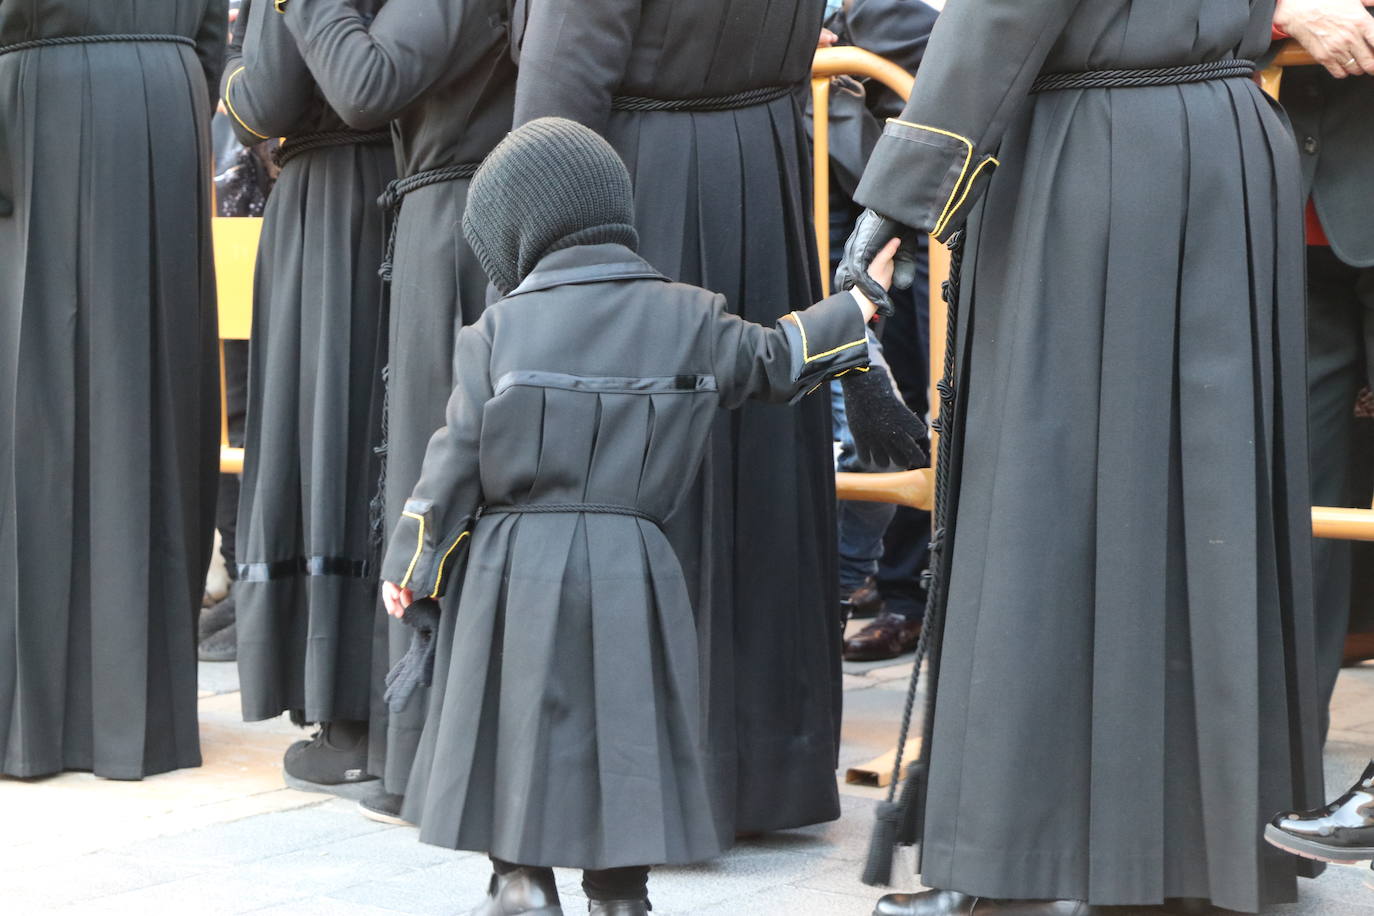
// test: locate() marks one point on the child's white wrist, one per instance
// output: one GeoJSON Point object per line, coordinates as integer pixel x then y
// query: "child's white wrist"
{"type": "Point", "coordinates": [865, 306]}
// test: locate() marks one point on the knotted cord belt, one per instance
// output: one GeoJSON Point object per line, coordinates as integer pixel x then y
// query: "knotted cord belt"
{"type": "Point", "coordinates": [745, 99]}
{"type": "Point", "coordinates": [92, 40]}
{"type": "Point", "coordinates": [395, 195]}
{"type": "Point", "coordinates": [1156, 76]}
{"type": "Point", "coordinates": [291, 147]}
{"type": "Point", "coordinates": [898, 820]}
{"type": "Point", "coordinates": [570, 509]}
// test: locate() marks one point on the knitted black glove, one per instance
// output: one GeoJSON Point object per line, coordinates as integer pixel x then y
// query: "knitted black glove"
{"type": "Point", "coordinates": [871, 233]}
{"type": "Point", "coordinates": [416, 667]}
{"type": "Point", "coordinates": [886, 433]}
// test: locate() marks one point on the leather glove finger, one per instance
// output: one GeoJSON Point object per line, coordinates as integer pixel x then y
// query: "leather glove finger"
{"type": "Point", "coordinates": [871, 233]}
{"type": "Point", "coordinates": [904, 263]}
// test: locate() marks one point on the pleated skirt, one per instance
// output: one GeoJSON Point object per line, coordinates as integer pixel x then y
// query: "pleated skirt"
{"type": "Point", "coordinates": [1127, 689]}
{"type": "Point", "coordinates": [438, 286]}
{"type": "Point", "coordinates": [565, 722]}
{"type": "Point", "coordinates": [722, 201]}
{"type": "Point", "coordinates": [307, 595]}
{"type": "Point", "coordinates": [108, 407]}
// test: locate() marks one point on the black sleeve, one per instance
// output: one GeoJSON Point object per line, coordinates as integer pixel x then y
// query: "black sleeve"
{"type": "Point", "coordinates": [572, 56]}
{"type": "Point", "coordinates": [932, 164]}
{"type": "Point", "coordinates": [267, 87]}
{"type": "Point", "coordinates": [370, 73]}
{"type": "Point", "coordinates": [211, 37]}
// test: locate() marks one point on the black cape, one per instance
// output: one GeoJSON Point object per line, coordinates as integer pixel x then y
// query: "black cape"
{"type": "Point", "coordinates": [1126, 686]}
{"type": "Point", "coordinates": [565, 727]}
{"type": "Point", "coordinates": [109, 377]}
{"type": "Point", "coordinates": [722, 201]}
{"type": "Point", "coordinates": [306, 592]}
{"type": "Point", "coordinates": [440, 72]}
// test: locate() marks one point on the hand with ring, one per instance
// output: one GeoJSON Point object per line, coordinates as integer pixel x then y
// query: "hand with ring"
{"type": "Point", "coordinates": [1339, 34]}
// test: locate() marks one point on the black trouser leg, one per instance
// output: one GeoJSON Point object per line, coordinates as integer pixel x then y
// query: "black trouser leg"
{"type": "Point", "coordinates": [1336, 370]}
{"type": "Point", "coordinates": [616, 883]}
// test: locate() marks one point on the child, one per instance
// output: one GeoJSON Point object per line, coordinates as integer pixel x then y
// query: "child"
{"type": "Point", "coordinates": [563, 726]}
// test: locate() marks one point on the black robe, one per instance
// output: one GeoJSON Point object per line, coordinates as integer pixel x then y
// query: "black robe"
{"type": "Point", "coordinates": [306, 593]}
{"type": "Point", "coordinates": [109, 381]}
{"type": "Point", "coordinates": [566, 723]}
{"type": "Point", "coordinates": [1126, 690]}
{"type": "Point", "coordinates": [440, 71]}
{"type": "Point", "coordinates": [722, 201]}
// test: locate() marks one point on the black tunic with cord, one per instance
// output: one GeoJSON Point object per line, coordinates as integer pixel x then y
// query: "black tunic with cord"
{"type": "Point", "coordinates": [108, 379]}
{"type": "Point", "coordinates": [439, 71]}
{"type": "Point", "coordinates": [307, 590]}
{"type": "Point", "coordinates": [722, 201]}
{"type": "Point", "coordinates": [1126, 687]}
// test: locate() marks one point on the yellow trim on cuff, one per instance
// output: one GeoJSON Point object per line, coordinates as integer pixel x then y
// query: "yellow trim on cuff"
{"type": "Point", "coordinates": [806, 357]}
{"type": "Point", "coordinates": [967, 188]}
{"type": "Point", "coordinates": [229, 103]}
{"type": "Point", "coordinates": [419, 548]}
{"type": "Point", "coordinates": [438, 580]}
{"type": "Point", "coordinates": [280, 5]}
{"type": "Point", "coordinates": [949, 209]}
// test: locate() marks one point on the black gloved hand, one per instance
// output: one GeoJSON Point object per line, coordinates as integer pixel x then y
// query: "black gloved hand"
{"type": "Point", "coordinates": [887, 434]}
{"type": "Point", "coordinates": [416, 667]}
{"type": "Point", "coordinates": [871, 233]}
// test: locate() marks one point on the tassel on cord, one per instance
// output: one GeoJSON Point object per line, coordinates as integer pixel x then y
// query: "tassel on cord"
{"type": "Point", "coordinates": [899, 819]}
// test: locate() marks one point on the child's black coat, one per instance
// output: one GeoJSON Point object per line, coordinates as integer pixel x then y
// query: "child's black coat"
{"type": "Point", "coordinates": [564, 722]}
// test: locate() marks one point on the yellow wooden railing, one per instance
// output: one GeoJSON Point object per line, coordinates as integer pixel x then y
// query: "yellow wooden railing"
{"type": "Point", "coordinates": [236, 251]}
{"type": "Point", "coordinates": [915, 488]}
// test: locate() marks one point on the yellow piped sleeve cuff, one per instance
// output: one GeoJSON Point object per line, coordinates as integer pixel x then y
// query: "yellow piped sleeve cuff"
{"type": "Point", "coordinates": [420, 556]}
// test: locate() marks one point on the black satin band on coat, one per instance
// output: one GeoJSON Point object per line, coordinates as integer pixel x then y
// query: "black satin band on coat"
{"type": "Point", "coordinates": [304, 566]}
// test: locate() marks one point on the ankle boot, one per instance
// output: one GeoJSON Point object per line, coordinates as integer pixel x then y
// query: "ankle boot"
{"type": "Point", "coordinates": [639, 907]}
{"type": "Point", "coordinates": [523, 891]}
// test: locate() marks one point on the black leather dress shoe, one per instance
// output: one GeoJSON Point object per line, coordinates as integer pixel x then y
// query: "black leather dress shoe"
{"type": "Point", "coordinates": [521, 892]}
{"type": "Point", "coordinates": [953, 903]}
{"type": "Point", "coordinates": [1342, 832]}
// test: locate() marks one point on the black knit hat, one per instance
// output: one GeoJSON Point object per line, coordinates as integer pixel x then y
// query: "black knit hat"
{"type": "Point", "coordinates": [551, 184]}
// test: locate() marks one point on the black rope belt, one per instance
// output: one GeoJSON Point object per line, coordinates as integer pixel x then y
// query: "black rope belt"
{"type": "Point", "coordinates": [1159, 76]}
{"type": "Point", "coordinates": [291, 147]}
{"type": "Point", "coordinates": [304, 566]}
{"type": "Point", "coordinates": [395, 195]}
{"type": "Point", "coordinates": [570, 509]}
{"type": "Point", "coordinates": [92, 40]}
{"type": "Point", "coordinates": [746, 99]}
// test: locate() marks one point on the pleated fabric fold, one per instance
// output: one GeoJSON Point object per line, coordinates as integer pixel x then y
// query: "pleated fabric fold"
{"type": "Point", "coordinates": [306, 596]}
{"type": "Point", "coordinates": [1126, 688]}
{"type": "Point", "coordinates": [109, 404]}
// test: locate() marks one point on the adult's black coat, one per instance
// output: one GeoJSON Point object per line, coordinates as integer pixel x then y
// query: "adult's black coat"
{"type": "Point", "coordinates": [108, 381]}
{"type": "Point", "coordinates": [565, 724]}
{"type": "Point", "coordinates": [1126, 686]}
{"type": "Point", "coordinates": [306, 593]}
{"type": "Point", "coordinates": [722, 201]}
{"type": "Point", "coordinates": [440, 72]}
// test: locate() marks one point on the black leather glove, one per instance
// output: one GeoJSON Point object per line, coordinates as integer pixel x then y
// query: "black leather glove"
{"type": "Point", "coordinates": [886, 433]}
{"type": "Point", "coordinates": [871, 233]}
{"type": "Point", "coordinates": [416, 667]}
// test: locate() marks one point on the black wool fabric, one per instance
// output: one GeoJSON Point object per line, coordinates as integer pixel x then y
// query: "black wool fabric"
{"type": "Point", "coordinates": [550, 184]}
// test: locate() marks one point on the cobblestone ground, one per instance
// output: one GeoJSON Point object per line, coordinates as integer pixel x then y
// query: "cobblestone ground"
{"type": "Point", "coordinates": [231, 838]}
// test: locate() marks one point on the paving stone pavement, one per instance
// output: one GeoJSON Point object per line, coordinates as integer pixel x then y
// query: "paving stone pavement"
{"type": "Point", "coordinates": [230, 838]}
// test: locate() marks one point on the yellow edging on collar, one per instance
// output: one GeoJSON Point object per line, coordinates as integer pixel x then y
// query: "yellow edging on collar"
{"type": "Point", "coordinates": [419, 547]}
{"type": "Point", "coordinates": [438, 580]}
{"type": "Point", "coordinates": [967, 188]}
{"type": "Point", "coordinates": [806, 357]}
{"type": "Point", "coordinates": [229, 104]}
{"type": "Point", "coordinates": [968, 158]}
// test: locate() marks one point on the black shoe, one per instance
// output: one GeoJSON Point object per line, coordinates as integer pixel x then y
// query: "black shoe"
{"type": "Point", "coordinates": [215, 618]}
{"type": "Point", "coordinates": [888, 636]}
{"type": "Point", "coordinates": [521, 892]}
{"type": "Point", "coordinates": [619, 908]}
{"type": "Point", "coordinates": [222, 646]}
{"type": "Point", "coordinates": [336, 756]}
{"type": "Point", "coordinates": [953, 903]}
{"type": "Point", "coordinates": [1341, 832]}
{"type": "Point", "coordinates": [384, 808]}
